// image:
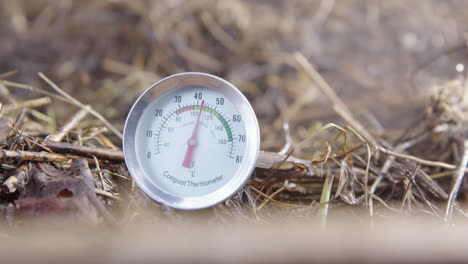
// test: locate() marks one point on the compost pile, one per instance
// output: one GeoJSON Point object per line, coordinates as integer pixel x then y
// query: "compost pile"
{"type": "Point", "coordinates": [359, 109]}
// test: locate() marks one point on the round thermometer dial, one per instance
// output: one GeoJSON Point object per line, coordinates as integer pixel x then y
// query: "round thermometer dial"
{"type": "Point", "coordinates": [191, 140]}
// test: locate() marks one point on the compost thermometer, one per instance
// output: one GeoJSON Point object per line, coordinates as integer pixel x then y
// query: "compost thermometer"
{"type": "Point", "coordinates": [191, 140]}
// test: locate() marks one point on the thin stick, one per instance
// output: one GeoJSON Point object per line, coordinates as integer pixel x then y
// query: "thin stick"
{"type": "Point", "coordinates": [41, 116]}
{"type": "Point", "coordinates": [72, 123]}
{"type": "Point", "coordinates": [7, 167]}
{"type": "Point", "coordinates": [460, 173]}
{"type": "Point", "coordinates": [418, 160]}
{"type": "Point", "coordinates": [268, 160]}
{"type": "Point", "coordinates": [369, 156]}
{"type": "Point", "coordinates": [111, 173]}
{"type": "Point", "coordinates": [106, 142]}
{"type": "Point", "coordinates": [94, 133]}
{"type": "Point", "coordinates": [8, 74]}
{"type": "Point", "coordinates": [338, 105]}
{"type": "Point", "coordinates": [432, 186]}
{"type": "Point", "coordinates": [32, 156]}
{"type": "Point", "coordinates": [218, 32]}
{"type": "Point", "coordinates": [101, 176]}
{"type": "Point", "coordinates": [382, 174]}
{"type": "Point", "coordinates": [434, 208]}
{"type": "Point", "coordinates": [288, 145]}
{"type": "Point", "coordinates": [30, 88]}
{"type": "Point", "coordinates": [36, 156]}
{"type": "Point", "coordinates": [275, 201]}
{"type": "Point", "coordinates": [407, 193]}
{"type": "Point", "coordinates": [79, 104]}
{"type": "Point", "coordinates": [106, 194]}
{"type": "Point", "coordinates": [10, 185]}
{"type": "Point", "coordinates": [26, 104]}
{"type": "Point", "coordinates": [86, 151]}
{"type": "Point", "coordinates": [444, 174]}
{"type": "Point", "coordinates": [323, 11]}
{"type": "Point", "coordinates": [271, 196]}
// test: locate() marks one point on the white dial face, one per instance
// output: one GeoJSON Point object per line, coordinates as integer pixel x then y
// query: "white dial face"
{"type": "Point", "coordinates": [191, 141]}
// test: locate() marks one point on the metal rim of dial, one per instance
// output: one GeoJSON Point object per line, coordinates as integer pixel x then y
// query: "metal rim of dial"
{"type": "Point", "coordinates": [181, 80]}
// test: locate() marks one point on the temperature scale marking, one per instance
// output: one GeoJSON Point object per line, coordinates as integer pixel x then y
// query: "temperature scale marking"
{"type": "Point", "coordinates": [209, 111]}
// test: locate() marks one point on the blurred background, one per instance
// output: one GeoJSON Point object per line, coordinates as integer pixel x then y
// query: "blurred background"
{"type": "Point", "coordinates": [384, 59]}
{"type": "Point", "coordinates": [107, 52]}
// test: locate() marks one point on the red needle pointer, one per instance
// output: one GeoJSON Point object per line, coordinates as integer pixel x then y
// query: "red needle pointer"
{"type": "Point", "coordinates": [192, 142]}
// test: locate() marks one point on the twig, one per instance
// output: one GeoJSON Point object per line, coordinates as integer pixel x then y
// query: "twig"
{"type": "Point", "coordinates": [252, 200]}
{"type": "Point", "coordinates": [338, 105]}
{"type": "Point", "coordinates": [323, 11]}
{"type": "Point", "coordinates": [369, 156]}
{"type": "Point", "coordinates": [32, 156]}
{"type": "Point", "coordinates": [275, 201]}
{"type": "Point", "coordinates": [79, 104]}
{"type": "Point", "coordinates": [111, 173]}
{"type": "Point", "coordinates": [8, 74]}
{"type": "Point", "coordinates": [101, 176]}
{"type": "Point", "coordinates": [30, 88]}
{"type": "Point", "coordinates": [288, 145]}
{"type": "Point", "coordinates": [11, 184]}
{"type": "Point", "coordinates": [121, 68]}
{"type": "Point", "coordinates": [36, 156]}
{"type": "Point", "coordinates": [433, 187]}
{"type": "Point", "coordinates": [418, 160]}
{"type": "Point", "coordinates": [434, 208]}
{"type": "Point", "coordinates": [106, 142]}
{"type": "Point", "coordinates": [94, 132]}
{"type": "Point", "coordinates": [407, 193]}
{"type": "Point", "coordinates": [26, 104]}
{"type": "Point", "coordinates": [443, 174]}
{"type": "Point", "coordinates": [421, 174]}
{"type": "Point", "coordinates": [72, 123]}
{"type": "Point", "coordinates": [7, 167]}
{"type": "Point", "coordinates": [86, 151]}
{"type": "Point", "coordinates": [271, 196]}
{"type": "Point", "coordinates": [106, 194]}
{"type": "Point", "coordinates": [195, 56]}
{"type": "Point", "coordinates": [383, 173]}
{"type": "Point", "coordinates": [460, 173]}
{"type": "Point", "coordinates": [39, 115]}
{"type": "Point", "coordinates": [388, 163]}
{"type": "Point", "coordinates": [218, 32]}
{"type": "Point", "coordinates": [268, 160]}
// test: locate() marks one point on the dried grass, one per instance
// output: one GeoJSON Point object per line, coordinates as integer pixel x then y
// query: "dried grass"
{"type": "Point", "coordinates": [365, 161]}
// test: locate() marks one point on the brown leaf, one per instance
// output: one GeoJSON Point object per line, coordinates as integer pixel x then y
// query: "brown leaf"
{"type": "Point", "coordinates": [51, 192]}
{"type": "Point", "coordinates": [47, 181]}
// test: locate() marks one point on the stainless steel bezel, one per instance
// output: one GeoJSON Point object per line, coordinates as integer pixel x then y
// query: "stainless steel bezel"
{"type": "Point", "coordinates": [177, 81]}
